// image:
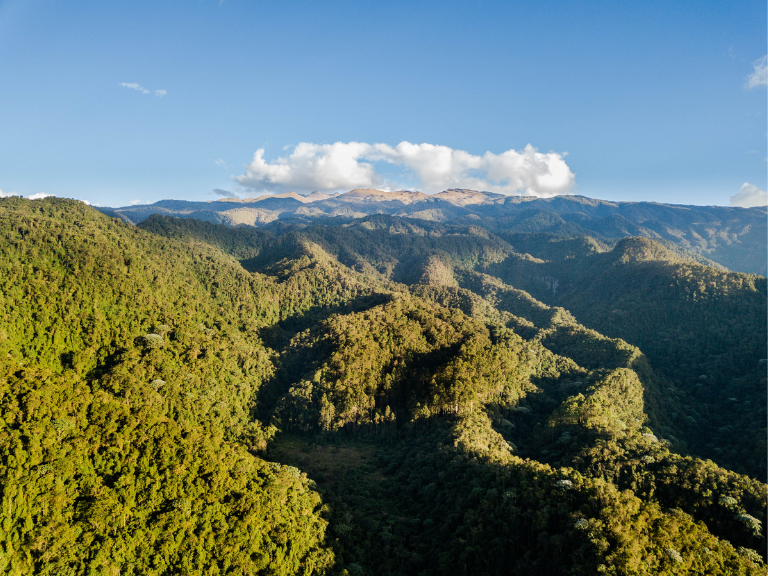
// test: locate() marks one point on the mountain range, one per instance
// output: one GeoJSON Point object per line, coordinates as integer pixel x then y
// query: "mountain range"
{"type": "Point", "coordinates": [731, 237]}
{"type": "Point", "coordinates": [507, 391]}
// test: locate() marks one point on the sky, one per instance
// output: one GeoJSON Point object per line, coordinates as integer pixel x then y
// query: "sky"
{"type": "Point", "coordinates": [119, 103]}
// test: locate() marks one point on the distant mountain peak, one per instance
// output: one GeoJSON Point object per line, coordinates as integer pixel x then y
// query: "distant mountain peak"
{"type": "Point", "coordinates": [301, 198]}
{"type": "Point", "coordinates": [637, 249]}
{"type": "Point", "coordinates": [372, 195]}
{"type": "Point", "coordinates": [462, 197]}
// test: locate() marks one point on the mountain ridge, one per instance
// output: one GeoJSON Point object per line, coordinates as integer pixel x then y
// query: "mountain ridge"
{"type": "Point", "coordinates": [381, 395]}
{"type": "Point", "coordinates": [732, 237]}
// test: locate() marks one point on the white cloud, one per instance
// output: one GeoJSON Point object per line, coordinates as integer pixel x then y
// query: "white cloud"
{"type": "Point", "coordinates": [38, 196]}
{"type": "Point", "coordinates": [749, 196]}
{"type": "Point", "coordinates": [134, 86]}
{"type": "Point", "coordinates": [7, 194]}
{"type": "Point", "coordinates": [220, 162]}
{"type": "Point", "coordinates": [140, 88]}
{"type": "Point", "coordinates": [347, 165]}
{"type": "Point", "coordinates": [136, 202]}
{"type": "Point", "coordinates": [760, 76]}
{"type": "Point", "coordinates": [312, 167]}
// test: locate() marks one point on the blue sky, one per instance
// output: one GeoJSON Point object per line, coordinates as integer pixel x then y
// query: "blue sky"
{"type": "Point", "coordinates": [620, 100]}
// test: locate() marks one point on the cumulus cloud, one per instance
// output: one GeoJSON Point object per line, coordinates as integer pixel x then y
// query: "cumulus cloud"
{"type": "Point", "coordinates": [161, 93]}
{"type": "Point", "coordinates": [749, 196]}
{"type": "Point", "coordinates": [312, 167]}
{"type": "Point", "coordinates": [134, 86]}
{"type": "Point", "coordinates": [760, 76]}
{"type": "Point", "coordinates": [347, 165]}
{"type": "Point", "coordinates": [136, 202]}
{"type": "Point", "coordinates": [7, 194]}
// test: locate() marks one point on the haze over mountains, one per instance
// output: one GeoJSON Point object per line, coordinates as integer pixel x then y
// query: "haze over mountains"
{"type": "Point", "coordinates": [731, 237]}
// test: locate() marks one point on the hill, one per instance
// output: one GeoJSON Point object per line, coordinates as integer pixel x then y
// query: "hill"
{"type": "Point", "coordinates": [128, 368]}
{"type": "Point", "coordinates": [376, 395]}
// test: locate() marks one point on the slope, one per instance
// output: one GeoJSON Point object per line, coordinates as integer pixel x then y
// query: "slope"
{"type": "Point", "coordinates": [128, 368]}
{"type": "Point", "coordinates": [437, 356]}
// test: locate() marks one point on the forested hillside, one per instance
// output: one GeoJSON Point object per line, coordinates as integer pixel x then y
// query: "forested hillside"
{"type": "Point", "coordinates": [129, 367]}
{"type": "Point", "coordinates": [373, 395]}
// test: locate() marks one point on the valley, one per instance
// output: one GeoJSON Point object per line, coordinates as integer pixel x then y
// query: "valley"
{"type": "Point", "coordinates": [455, 384]}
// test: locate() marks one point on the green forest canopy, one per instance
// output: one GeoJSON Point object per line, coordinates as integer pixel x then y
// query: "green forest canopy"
{"type": "Point", "coordinates": [379, 396]}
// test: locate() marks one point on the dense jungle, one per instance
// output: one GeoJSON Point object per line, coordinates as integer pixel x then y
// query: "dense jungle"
{"type": "Point", "coordinates": [375, 394]}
